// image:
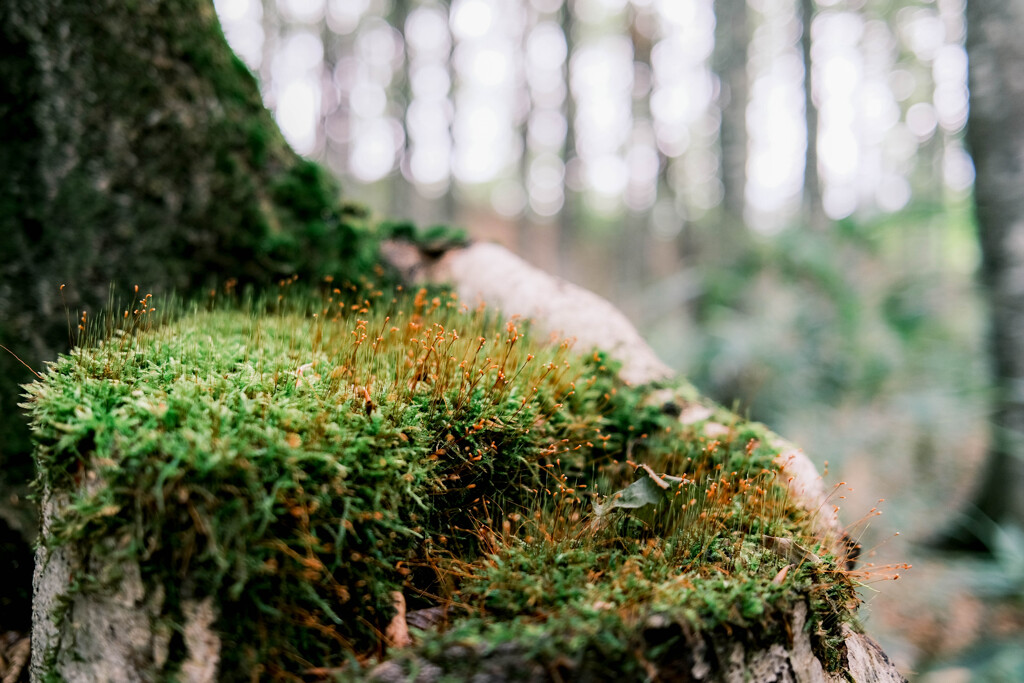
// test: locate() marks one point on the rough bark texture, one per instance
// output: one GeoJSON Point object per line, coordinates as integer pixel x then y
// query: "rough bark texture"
{"type": "Point", "coordinates": [118, 635]}
{"type": "Point", "coordinates": [996, 138]}
{"type": "Point", "coordinates": [134, 149]}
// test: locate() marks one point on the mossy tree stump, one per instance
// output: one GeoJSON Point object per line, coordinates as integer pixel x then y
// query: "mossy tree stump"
{"type": "Point", "coordinates": [283, 494]}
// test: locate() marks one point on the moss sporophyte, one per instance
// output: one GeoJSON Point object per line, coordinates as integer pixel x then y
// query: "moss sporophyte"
{"type": "Point", "coordinates": [303, 458]}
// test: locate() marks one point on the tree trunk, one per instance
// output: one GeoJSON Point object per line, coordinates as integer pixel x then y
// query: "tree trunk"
{"type": "Point", "coordinates": [135, 148]}
{"type": "Point", "coordinates": [814, 212]}
{"type": "Point", "coordinates": [568, 228]}
{"type": "Point", "coordinates": [730, 59]}
{"type": "Point", "coordinates": [995, 135]}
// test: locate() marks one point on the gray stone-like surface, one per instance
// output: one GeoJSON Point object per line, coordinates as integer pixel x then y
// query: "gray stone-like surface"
{"type": "Point", "coordinates": [115, 631]}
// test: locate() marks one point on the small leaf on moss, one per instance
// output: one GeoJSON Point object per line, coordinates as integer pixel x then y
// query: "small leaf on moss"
{"type": "Point", "coordinates": [644, 491]}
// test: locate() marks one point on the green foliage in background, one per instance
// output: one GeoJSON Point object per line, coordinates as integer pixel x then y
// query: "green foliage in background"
{"type": "Point", "coordinates": [826, 334]}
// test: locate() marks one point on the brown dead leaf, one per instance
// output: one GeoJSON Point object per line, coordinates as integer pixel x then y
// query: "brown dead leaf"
{"type": "Point", "coordinates": [781, 576]}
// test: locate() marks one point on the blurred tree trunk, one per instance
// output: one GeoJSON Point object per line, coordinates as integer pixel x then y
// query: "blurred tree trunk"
{"type": "Point", "coordinates": [633, 239]}
{"type": "Point", "coordinates": [401, 190]}
{"type": "Point", "coordinates": [996, 137]}
{"type": "Point", "coordinates": [567, 229]}
{"type": "Point", "coordinates": [814, 212]}
{"type": "Point", "coordinates": [732, 37]}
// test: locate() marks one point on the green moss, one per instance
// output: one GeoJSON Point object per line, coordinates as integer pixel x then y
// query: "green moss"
{"type": "Point", "coordinates": [301, 459]}
{"type": "Point", "coordinates": [604, 614]}
{"type": "Point", "coordinates": [434, 238]}
{"type": "Point", "coordinates": [305, 190]}
{"type": "Point", "coordinates": [175, 176]}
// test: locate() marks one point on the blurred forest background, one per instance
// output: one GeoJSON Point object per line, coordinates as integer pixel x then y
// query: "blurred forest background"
{"type": "Point", "coordinates": [776, 192]}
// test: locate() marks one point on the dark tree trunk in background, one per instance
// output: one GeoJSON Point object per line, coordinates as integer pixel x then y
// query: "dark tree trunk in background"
{"type": "Point", "coordinates": [995, 135]}
{"type": "Point", "coordinates": [732, 37]}
{"type": "Point", "coordinates": [814, 212]}
{"type": "Point", "coordinates": [135, 148]}
{"type": "Point", "coordinates": [400, 190]}
{"type": "Point", "coordinates": [634, 236]}
{"type": "Point", "coordinates": [567, 229]}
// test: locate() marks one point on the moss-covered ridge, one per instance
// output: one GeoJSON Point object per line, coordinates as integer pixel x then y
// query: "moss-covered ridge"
{"type": "Point", "coordinates": [136, 147]}
{"type": "Point", "coordinates": [304, 459]}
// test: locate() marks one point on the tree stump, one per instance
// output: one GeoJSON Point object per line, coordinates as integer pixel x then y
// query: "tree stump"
{"type": "Point", "coordinates": [121, 631]}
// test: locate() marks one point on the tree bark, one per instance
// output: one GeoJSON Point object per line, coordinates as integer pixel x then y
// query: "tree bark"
{"type": "Point", "coordinates": [995, 135]}
{"type": "Point", "coordinates": [119, 635]}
